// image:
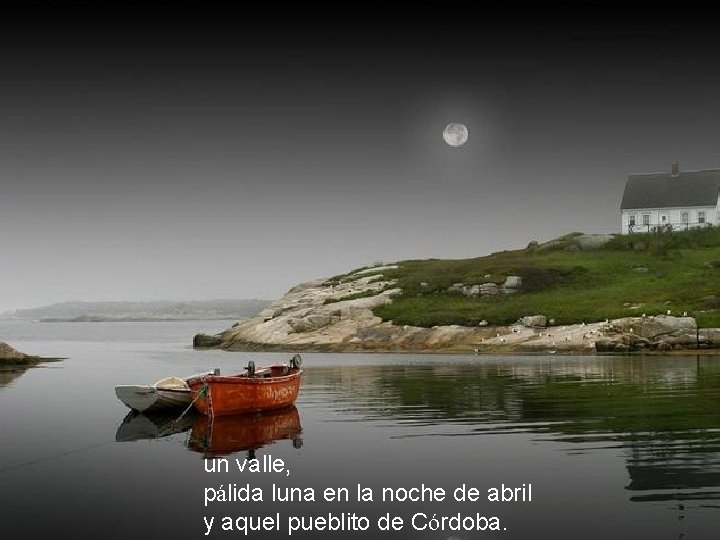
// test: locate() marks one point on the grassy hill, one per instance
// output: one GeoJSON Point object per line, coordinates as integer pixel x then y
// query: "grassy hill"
{"type": "Point", "coordinates": [566, 281]}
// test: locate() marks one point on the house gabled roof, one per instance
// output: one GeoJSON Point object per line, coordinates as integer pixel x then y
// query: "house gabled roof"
{"type": "Point", "coordinates": [663, 190]}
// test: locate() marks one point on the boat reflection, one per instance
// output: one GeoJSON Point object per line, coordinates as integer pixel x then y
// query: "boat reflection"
{"type": "Point", "coordinates": [222, 435]}
{"type": "Point", "coordinates": [139, 426]}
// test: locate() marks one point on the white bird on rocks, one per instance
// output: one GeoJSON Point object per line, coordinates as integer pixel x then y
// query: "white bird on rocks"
{"type": "Point", "coordinates": [669, 312]}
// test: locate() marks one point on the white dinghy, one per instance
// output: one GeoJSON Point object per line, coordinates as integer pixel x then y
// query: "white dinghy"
{"type": "Point", "coordinates": [167, 393]}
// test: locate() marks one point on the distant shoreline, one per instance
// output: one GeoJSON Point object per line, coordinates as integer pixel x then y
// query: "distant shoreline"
{"type": "Point", "coordinates": [100, 319]}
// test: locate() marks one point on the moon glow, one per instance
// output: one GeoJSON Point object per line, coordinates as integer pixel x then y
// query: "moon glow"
{"type": "Point", "coordinates": [455, 134]}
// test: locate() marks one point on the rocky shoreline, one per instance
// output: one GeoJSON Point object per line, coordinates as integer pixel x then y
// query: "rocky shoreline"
{"type": "Point", "coordinates": [331, 316]}
{"type": "Point", "coordinates": [10, 357]}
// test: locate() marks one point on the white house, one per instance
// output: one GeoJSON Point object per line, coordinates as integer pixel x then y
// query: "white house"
{"type": "Point", "coordinates": [677, 200]}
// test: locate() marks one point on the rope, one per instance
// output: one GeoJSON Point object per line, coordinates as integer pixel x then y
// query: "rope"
{"type": "Point", "coordinates": [199, 394]}
{"type": "Point", "coordinates": [211, 413]}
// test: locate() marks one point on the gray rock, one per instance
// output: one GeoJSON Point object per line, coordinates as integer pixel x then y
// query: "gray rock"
{"type": "Point", "coordinates": [593, 241]}
{"type": "Point", "coordinates": [512, 282]}
{"type": "Point", "coordinates": [660, 325]}
{"type": "Point", "coordinates": [203, 341]}
{"type": "Point", "coordinates": [534, 321]}
{"type": "Point", "coordinates": [575, 242]}
{"type": "Point", "coordinates": [473, 290]}
{"type": "Point", "coordinates": [605, 345]}
{"type": "Point", "coordinates": [682, 339]}
{"type": "Point", "coordinates": [711, 336]}
{"type": "Point", "coordinates": [662, 332]}
{"type": "Point", "coordinates": [312, 323]}
{"type": "Point", "coordinates": [640, 270]}
{"type": "Point", "coordinates": [268, 314]}
{"type": "Point", "coordinates": [456, 287]}
{"type": "Point", "coordinates": [489, 289]}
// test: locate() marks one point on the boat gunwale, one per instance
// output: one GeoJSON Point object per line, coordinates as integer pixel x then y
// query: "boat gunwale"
{"type": "Point", "coordinates": [150, 389]}
{"type": "Point", "coordinates": [243, 379]}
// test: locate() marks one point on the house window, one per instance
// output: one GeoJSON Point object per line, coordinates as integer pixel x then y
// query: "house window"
{"type": "Point", "coordinates": [646, 219]}
{"type": "Point", "coordinates": [684, 217]}
{"type": "Point", "coordinates": [663, 218]}
{"type": "Point", "coordinates": [701, 216]}
{"type": "Point", "coordinates": [631, 220]}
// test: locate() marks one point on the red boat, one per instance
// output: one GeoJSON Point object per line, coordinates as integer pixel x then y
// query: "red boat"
{"type": "Point", "coordinates": [257, 390]}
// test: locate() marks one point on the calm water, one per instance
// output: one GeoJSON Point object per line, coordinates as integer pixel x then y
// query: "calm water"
{"type": "Point", "coordinates": [613, 447]}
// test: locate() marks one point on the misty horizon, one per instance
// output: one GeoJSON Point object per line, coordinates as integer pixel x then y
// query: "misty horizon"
{"type": "Point", "coordinates": [202, 152]}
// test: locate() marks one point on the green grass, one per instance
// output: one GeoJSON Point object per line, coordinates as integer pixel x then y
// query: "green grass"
{"type": "Point", "coordinates": [568, 285]}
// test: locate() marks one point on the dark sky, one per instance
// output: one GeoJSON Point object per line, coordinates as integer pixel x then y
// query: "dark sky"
{"type": "Point", "coordinates": [204, 150]}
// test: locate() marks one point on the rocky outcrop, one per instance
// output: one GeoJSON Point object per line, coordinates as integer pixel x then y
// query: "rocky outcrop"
{"type": "Point", "coordinates": [510, 285]}
{"type": "Point", "coordinates": [12, 357]}
{"type": "Point", "coordinates": [205, 341]}
{"type": "Point", "coordinates": [8, 354]}
{"type": "Point", "coordinates": [336, 315]}
{"type": "Point", "coordinates": [326, 315]}
{"type": "Point", "coordinates": [534, 321]}
{"type": "Point", "coordinates": [662, 332]}
{"type": "Point", "coordinates": [632, 334]}
{"type": "Point", "coordinates": [575, 242]}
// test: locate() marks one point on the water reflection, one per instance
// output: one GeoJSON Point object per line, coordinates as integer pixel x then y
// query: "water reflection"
{"type": "Point", "coordinates": [661, 414]}
{"type": "Point", "coordinates": [215, 436]}
{"type": "Point", "coordinates": [222, 435]}
{"type": "Point", "coordinates": [151, 425]}
{"type": "Point", "coordinates": [8, 375]}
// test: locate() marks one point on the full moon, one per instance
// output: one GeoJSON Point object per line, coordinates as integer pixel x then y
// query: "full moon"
{"type": "Point", "coordinates": [455, 134]}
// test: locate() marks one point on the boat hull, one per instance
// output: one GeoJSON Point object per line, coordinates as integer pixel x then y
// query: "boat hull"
{"type": "Point", "coordinates": [219, 395]}
{"type": "Point", "coordinates": [144, 398]}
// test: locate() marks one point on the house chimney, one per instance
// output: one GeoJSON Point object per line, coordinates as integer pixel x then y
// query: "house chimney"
{"type": "Point", "coordinates": [675, 169]}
